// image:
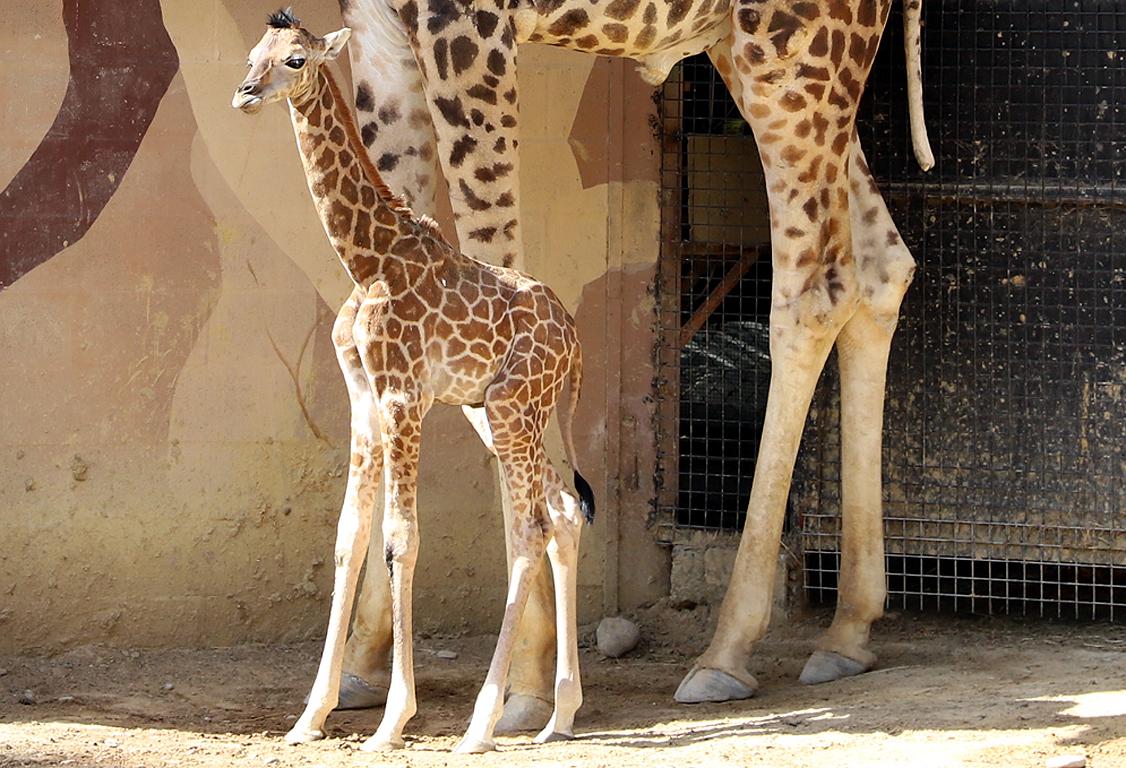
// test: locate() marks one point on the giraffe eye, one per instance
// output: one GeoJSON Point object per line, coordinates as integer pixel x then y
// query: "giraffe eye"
{"type": "Point", "coordinates": [295, 63]}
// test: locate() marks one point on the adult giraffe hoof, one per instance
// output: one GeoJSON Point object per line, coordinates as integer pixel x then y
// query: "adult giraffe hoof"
{"type": "Point", "coordinates": [357, 693]}
{"type": "Point", "coordinates": [703, 684]}
{"type": "Point", "coordinates": [826, 666]}
{"type": "Point", "coordinates": [300, 734]}
{"type": "Point", "coordinates": [523, 713]}
{"type": "Point", "coordinates": [468, 746]}
{"type": "Point", "coordinates": [379, 743]}
{"type": "Point", "coordinates": [547, 736]}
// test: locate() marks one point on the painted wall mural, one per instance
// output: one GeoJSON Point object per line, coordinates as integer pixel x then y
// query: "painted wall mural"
{"type": "Point", "coordinates": [175, 427]}
{"type": "Point", "coordinates": [121, 63]}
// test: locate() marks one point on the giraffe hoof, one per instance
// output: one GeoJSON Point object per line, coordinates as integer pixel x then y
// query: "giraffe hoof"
{"type": "Point", "coordinates": [300, 734]}
{"type": "Point", "coordinates": [379, 743]}
{"type": "Point", "coordinates": [547, 736]}
{"type": "Point", "coordinates": [468, 746]}
{"type": "Point", "coordinates": [703, 684]}
{"type": "Point", "coordinates": [523, 713]}
{"type": "Point", "coordinates": [357, 693]}
{"type": "Point", "coordinates": [826, 666]}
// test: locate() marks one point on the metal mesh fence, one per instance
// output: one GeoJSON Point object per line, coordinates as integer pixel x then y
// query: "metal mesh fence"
{"type": "Point", "coordinates": [1005, 418]}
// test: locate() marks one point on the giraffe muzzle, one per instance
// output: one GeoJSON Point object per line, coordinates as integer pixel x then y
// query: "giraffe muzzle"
{"type": "Point", "coordinates": [247, 98]}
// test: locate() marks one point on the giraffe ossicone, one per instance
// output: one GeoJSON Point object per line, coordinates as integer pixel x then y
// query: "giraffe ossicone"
{"type": "Point", "coordinates": [424, 324]}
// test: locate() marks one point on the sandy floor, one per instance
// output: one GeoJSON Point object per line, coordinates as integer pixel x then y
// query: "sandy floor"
{"type": "Point", "coordinates": [948, 692]}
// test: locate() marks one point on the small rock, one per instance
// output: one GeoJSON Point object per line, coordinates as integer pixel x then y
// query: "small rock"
{"type": "Point", "coordinates": [443, 654]}
{"type": "Point", "coordinates": [272, 760]}
{"type": "Point", "coordinates": [27, 697]}
{"type": "Point", "coordinates": [291, 717]}
{"type": "Point", "coordinates": [167, 687]}
{"type": "Point", "coordinates": [617, 636]}
{"type": "Point", "coordinates": [114, 743]}
{"type": "Point", "coordinates": [1066, 761]}
{"type": "Point", "coordinates": [3, 671]}
{"type": "Point", "coordinates": [65, 699]}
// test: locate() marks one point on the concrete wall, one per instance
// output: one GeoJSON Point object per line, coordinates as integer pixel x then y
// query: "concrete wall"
{"type": "Point", "coordinates": [174, 427]}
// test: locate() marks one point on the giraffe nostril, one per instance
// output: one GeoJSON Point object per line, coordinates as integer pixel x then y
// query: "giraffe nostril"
{"type": "Point", "coordinates": [247, 87]}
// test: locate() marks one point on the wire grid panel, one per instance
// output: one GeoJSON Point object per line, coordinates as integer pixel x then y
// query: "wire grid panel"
{"type": "Point", "coordinates": [714, 299]}
{"type": "Point", "coordinates": [1003, 449]}
{"type": "Point", "coordinates": [1004, 429]}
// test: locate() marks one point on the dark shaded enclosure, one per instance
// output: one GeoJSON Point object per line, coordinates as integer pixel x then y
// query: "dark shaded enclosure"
{"type": "Point", "coordinates": [1003, 449]}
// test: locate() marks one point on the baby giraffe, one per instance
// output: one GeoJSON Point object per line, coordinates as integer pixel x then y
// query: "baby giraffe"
{"type": "Point", "coordinates": [431, 324]}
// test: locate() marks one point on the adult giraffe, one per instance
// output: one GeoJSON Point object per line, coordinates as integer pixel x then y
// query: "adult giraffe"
{"type": "Point", "coordinates": [435, 82]}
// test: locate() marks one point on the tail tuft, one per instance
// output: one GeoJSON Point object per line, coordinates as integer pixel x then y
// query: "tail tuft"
{"type": "Point", "coordinates": [586, 498]}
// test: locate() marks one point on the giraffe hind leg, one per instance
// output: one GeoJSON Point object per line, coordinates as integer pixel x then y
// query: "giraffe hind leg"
{"type": "Point", "coordinates": [804, 140]}
{"type": "Point", "coordinates": [563, 554]}
{"type": "Point", "coordinates": [885, 268]}
{"type": "Point", "coordinates": [522, 458]}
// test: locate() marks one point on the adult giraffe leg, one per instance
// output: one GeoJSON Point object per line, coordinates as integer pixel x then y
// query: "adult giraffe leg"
{"type": "Point", "coordinates": [470, 71]}
{"type": "Point", "coordinates": [353, 529]}
{"type": "Point", "coordinates": [804, 138]}
{"type": "Point", "coordinates": [469, 64]}
{"type": "Point", "coordinates": [884, 268]}
{"type": "Point", "coordinates": [393, 115]}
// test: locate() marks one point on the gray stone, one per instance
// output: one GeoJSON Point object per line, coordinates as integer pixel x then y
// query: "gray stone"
{"type": "Point", "coordinates": [617, 636]}
{"type": "Point", "coordinates": [27, 697]}
{"type": "Point", "coordinates": [448, 655]}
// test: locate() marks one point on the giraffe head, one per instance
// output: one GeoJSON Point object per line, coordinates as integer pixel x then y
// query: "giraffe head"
{"type": "Point", "coordinates": [284, 63]}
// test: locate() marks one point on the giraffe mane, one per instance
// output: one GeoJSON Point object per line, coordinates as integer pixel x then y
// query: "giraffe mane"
{"type": "Point", "coordinates": [283, 18]}
{"type": "Point", "coordinates": [352, 136]}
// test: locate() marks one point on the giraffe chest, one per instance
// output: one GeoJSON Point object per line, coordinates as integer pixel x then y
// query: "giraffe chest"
{"type": "Point", "coordinates": [657, 33]}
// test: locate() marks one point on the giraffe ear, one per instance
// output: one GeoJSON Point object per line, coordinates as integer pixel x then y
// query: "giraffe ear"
{"type": "Point", "coordinates": [335, 42]}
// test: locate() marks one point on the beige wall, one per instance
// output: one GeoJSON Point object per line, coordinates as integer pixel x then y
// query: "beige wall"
{"type": "Point", "coordinates": [174, 427]}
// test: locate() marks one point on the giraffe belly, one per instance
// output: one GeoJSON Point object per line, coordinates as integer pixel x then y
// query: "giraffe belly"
{"type": "Point", "coordinates": [463, 383]}
{"type": "Point", "coordinates": [656, 33]}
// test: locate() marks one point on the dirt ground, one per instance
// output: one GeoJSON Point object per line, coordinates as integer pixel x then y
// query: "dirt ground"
{"type": "Point", "coordinates": [947, 692]}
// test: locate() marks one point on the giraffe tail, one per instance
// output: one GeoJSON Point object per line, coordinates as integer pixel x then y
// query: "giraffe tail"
{"type": "Point", "coordinates": [566, 419]}
{"type": "Point", "coordinates": [912, 44]}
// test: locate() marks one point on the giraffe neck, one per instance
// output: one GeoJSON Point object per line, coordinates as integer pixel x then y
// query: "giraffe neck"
{"type": "Point", "coordinates": [361, 216]}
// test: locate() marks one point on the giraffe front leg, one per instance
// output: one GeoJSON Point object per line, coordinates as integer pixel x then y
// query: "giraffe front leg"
{"type": "Point", "coordinates": [469, 66]}
{"type": "Point", "coordinates": [885, 268]}
{"type": "Point", "coordinates": [394, 121]}
{"type": "Point", "coordinates": [401, 413]}
{"type": "Point", "coordinates": [392, 112]}
{"type": "Point", "coordinates": [353, 529]}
